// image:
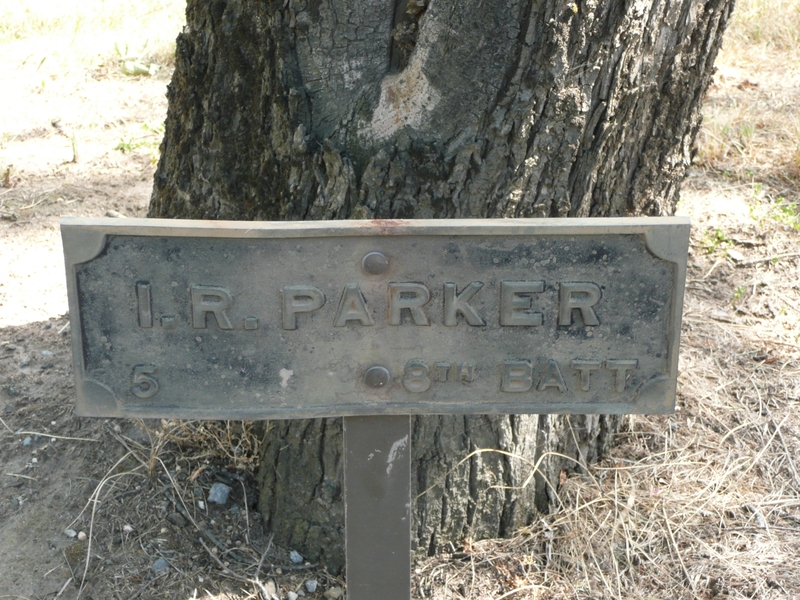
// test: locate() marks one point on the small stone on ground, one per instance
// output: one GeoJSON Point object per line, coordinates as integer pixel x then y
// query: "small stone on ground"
{"type": "Point", "coordinates": [161, 565]}
{"type": "Point", "coordinates": [219, 493]}
{"type": "Point", "coordinates": [334, 593]}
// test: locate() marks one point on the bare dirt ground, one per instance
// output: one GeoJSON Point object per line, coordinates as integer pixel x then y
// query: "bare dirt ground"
{"type": "Point", "coordinates": [704, 503]}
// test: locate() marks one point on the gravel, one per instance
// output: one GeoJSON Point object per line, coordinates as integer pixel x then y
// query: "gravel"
{"type": "Point", "coordinates": [219, 493]}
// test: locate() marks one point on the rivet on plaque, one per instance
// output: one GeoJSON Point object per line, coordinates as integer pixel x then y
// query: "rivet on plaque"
{"type": "Point", "coordinates": [377, 377]}
{"type": "Point", "coordinates": [375, 263]}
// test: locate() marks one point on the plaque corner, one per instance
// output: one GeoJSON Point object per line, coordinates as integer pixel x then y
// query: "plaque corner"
{"type": "Point", "coordinates": [95, 400]}
{"type": "Point", "coordinates": [81, 243]}
{"type": "Point", "coordinates": [669, 242]}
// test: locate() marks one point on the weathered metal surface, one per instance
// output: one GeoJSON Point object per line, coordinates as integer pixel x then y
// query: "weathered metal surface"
{"type": "Point", "coordinates": [377, 483]}
{"type": "Point", "coordinates": [191, 319]}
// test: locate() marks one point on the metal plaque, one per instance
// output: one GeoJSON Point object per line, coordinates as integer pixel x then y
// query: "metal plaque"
{"type": "Point", "coordinates": [246, 320]}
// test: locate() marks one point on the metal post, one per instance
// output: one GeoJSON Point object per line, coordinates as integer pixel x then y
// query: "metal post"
{"type": "Point", "coordinates": [377, 500]}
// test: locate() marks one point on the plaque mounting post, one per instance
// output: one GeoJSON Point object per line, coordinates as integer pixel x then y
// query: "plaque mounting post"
{"type": "Point", "coordinates": [377, 501]}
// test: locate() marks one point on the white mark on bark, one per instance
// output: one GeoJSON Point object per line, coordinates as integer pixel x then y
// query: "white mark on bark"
{"type": "Point", "coordinates": [352, 73]}
{"type": "Point", "coordinates": [407, 100]}
{"type": "Point", "coordinates": [397, 448]}
{"type": "Point", "coordinates": [286, 375]}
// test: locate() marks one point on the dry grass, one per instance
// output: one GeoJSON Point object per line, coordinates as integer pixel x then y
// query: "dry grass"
{"type": "Point", "coordinates": [53, 38]}
{"type": "Point", "coordinates": [771, 27]}
{"type": "Point", "coordinates": [234, 442]}
{"type": "Point", "coordinates": [752, 113]}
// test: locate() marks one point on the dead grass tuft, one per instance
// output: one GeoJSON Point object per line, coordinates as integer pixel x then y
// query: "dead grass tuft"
{"type": "Point", "coordinates": [235, 443]}
{"type": "Point", "coordinates": [773, 25]}
{"type": "Point", "coordinates": [752, 113]}
{"type": "Point", "coordinates": [52, 38]}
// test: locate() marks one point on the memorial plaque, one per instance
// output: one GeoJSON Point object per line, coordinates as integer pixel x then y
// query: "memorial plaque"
{"type": "Point", "coordinates": [248, 320]}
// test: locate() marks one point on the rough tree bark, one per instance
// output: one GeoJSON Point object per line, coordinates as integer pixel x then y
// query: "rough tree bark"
{"type": "Point", "coordinates": [338, 109]}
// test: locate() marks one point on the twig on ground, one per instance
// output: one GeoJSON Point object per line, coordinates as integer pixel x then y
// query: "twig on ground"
{"type": "Point", "coordinates": [106, 478]}
{"type": "Point", "coordinates": [146, 585]}
{"type": "Point", "coordinates": [42, 195]}
{"type": "Point", "coordinates": [224, 568]}
{"type": "Point", "coordinates": [69, 566]}
{"type": "Point", "coordinates": [58, 437]}
{"type": "Point", "coordinates": [774, 257]}
{"type": "Point", "coordinates": [246, 515]}
{"type": "Point", "coordinates": [263, 556]}
{"type": "Point", "coordinates": [789, 458]}
{"type": "Point", "coordinates": [678, 551]}
{"type": "Point", "coordinates": [63, 587]}
{"type": "Point", "coordinates": [94, 500]}
{"type": "Point", "coordinates": [19, 475]}
{"type": "Point", "coordinates": [524, 588]}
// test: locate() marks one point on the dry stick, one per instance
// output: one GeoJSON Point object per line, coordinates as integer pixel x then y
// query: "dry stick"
{"type": "Point", "coordinates": [5, 425]}
{"type": "Point", "coordinates": [58, 437]}
{"type": "Point", "coordinates": [225, 569]}
{"type": "Point", "coordinates": [264, 555]}
{"type": "Point", "coordinates": [42, 195]}
{"type": "Point", "coordinates": [789, 458]}
{"type": "Point", "coordinates": [130, 451]}
{"type": "Point", "coordinates": [713, 550]}
{"type": "Point", "coordinates": [788, 345]}
{"type": "Point", "coordinates": [755, 261]}
{"type": "Point", "coordinates": [709, 548]}
{"type": "Point", "coordinates": [181, 509]}
{"type": "Point", "coordinates": [63, 587]}
{"type": "Point", "coordinates": [678, 551]}
{"type": "Point", "coordinates": [788, 301]}
{"type": "Point", "coordinates": [246, 515]}
{"type": "Point", "coordinates": [714, 266]}
{"type": "Point", "coordinates": [472, 572]}
{"type": "Point", "coordinates": [116, 464]}
{"type": "Point", "coordinates": [761, 529]}
{"type": "Point", "coordinates": [69, 566]}
{"type": "Point", "coordinates": [184, 510]}
{"type": "Point", "coordinates": [614, 529]}
{"type": "Point", "coordinates": [96, 495]}
{"type": "Point", "coordinates": [146, 585]}
{"type": "Point", "coordinates": [50, 571]}
{"type": "Point", "coordinates": [599, 569]}
{"type": "Point", "coordinates": [735, 429]}
{"type": "Point", "coordinates": [521, 589]}
{"type": "Point", "coordinates": [765, 448]}
{"type": "Point", "coordinates": [18, 475]}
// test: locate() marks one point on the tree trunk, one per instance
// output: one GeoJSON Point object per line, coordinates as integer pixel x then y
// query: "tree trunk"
{"type": "Point", "coordinates": [326, 109]}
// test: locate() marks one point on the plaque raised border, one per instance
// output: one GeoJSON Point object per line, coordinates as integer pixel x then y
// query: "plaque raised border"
{"type": "Point", "coordinates": [248, 320]}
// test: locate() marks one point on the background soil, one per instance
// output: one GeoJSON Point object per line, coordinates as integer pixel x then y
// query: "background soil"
{"type": "Point", "coordinates": [701, 504]}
